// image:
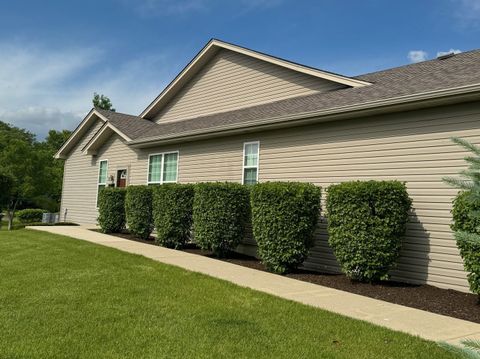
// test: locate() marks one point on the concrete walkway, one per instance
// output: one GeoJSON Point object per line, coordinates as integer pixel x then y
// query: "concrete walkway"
{"type": "Point", "coordinates": [414, 321]}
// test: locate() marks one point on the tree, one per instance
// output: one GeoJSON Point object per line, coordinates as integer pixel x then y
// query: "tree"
{"type": "Point", "coordinates": [470, 178]}
{"type": "Point", "coordinates": [468, 238]}
{"type": "Point", "coordinates": [470, 349]}
{"type": "Point", "coordinates": [35, 176]}
{"type": "Point", "coordinates": [56, 139]}
{"type": "Point", "coordinates": [19, 161]}
{"type": "Point", "coordinates": [102, 102]}
{"type": "Point", "coordinates": [49, 199]}
{"type": "Point", "coordinates": [6, 186]}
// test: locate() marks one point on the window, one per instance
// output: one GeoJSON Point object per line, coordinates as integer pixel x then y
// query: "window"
{"type": "Point", "coordinates": [163, 168]}
{"type": "Point", "coordinates": [102, 176]}
{"type": "Point", "coordinates": [250, 162]}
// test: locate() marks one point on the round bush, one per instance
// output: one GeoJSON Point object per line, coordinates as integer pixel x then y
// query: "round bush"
{"type": "Point", "coordinates": [220, 212]}
{"type": "Point", "coordinates": [138, 211]}
{"type": "Point", "coordinates": [466, 213]}
{"type": "Point", "coordinates": [111, 209]}
{"type": "Point", "coordinates": [172, 213]}
{"type": "Point", "coordinates": [284, 218]}
{"type": "Point", "coordinates": [366, 223]}
{"type": "Point", "coordinates": [30, 215]}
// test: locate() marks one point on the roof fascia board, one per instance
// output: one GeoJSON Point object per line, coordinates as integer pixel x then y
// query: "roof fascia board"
{"type": "Point", "coordinates": [344, 80]}
{"type": "Point", "coordinates": [211, 49]}
{"type": "Point", "coordinates": [118, 132]}
{"type": "Point", "coordinates": [61, 153]}
{"type": "Point", "coordinates": [94, 137]}
{"type": "Point", "coordinates": [94, 141]}
{"type": "Point", "coordinates": [91, 148]}
{"type": "Point", "coordinates": [179, 79]}
{"type": "Point", "coordinates": [80, 128]}
{"type": "Point", "coordinates": [422, 100]}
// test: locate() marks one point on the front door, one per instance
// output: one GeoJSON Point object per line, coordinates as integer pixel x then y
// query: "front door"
{"type": "Point", "coordinates": [121, 178]}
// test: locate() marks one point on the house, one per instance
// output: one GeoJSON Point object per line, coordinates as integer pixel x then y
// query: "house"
{"type": "Point", "coordinates": [233, 114]}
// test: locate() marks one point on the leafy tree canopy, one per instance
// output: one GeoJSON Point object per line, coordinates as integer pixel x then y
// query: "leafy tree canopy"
{"type": "Point", "coordinates": [102, 102]}
{"type": "Point", "coordinates": [34, 177]}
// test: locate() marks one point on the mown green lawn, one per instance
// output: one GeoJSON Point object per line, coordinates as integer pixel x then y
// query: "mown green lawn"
{"type": "Point", "coordinates": [66, 298]}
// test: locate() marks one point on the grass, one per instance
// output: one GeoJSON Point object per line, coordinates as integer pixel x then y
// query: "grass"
{"type": "Point", "coordinates": [66, 298]}
{"type": "Point", "coordinates": [16, 225]}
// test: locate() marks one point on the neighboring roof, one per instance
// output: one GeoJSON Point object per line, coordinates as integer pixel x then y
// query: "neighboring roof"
{"type": "Point", "coordinates": [213, 46]}
{"type": "Point", "coordinates": [403, 83]}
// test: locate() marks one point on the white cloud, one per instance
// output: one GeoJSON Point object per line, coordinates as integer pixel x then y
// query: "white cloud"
{"type": "Point", "coordinates": [455, 51]}
{"type": "Point", "coordinates": [43, 88]}
{"type": "Point", "coordinates": [148, 8]}
{"type": "Point", "coordinates": [168, 7]}
{"type": "Point", "coordinates": [39, 120]}
{"type": "Point", "coordinates": [468, 12]}
{"type": "Point", "coordinates": [417, 55]}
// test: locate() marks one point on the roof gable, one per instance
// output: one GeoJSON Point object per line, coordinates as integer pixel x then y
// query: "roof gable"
{"type": "Point", "coordinates": [81, 130]}
{"type": "Point", "coordinates": [128, 127]}
{"type": "Point", "coordinates": [214, 47]}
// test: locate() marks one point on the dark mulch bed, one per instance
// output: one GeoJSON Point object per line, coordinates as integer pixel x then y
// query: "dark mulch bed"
{"type": "Point", "coordinates": [426, 297]}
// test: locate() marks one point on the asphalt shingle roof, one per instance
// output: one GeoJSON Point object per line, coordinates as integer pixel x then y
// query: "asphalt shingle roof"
{"type": "Point", "coordinates": [459, 70]}
{"type": "Point", "coordinates": [132, 126]}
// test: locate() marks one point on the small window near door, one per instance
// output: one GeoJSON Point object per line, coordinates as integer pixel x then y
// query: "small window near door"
{"type": "Point", "coordinates": [250, 162]}
{"type": "Point", "coordinates": [102, 176]}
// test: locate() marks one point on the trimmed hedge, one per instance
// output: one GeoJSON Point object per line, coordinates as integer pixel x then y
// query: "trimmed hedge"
{"type": "Point", "coordinates": [30, 215]}
{"type": "Point", "coordinates": [220, 212]}
{"type": "Point", "coordinates": [172, 213]}
{"type": "Point", "coordinates": [111, 209]}
{"type": "Point", "coordinates": [138, 211]}
{"type": "Point", "coordinates": [366, 222]}
{"type": "Point", "coordinates": [284, 218]}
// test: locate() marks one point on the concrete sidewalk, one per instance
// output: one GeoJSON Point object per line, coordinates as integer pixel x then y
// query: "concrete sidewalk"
{"type": "Point", "coordinates": [413, 321]}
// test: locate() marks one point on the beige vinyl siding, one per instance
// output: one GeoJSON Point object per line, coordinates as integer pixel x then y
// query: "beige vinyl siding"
{"type": "Point", "coordinates": [120, 157]}
{"type": "Point", "coordinates": [232, 80]}
{"type": "Point", "coordinates": [412, 146]}
{"type": "Point", "coordinates": [80, 183]}
{"type": "Point", "coordinates": [81, 175]}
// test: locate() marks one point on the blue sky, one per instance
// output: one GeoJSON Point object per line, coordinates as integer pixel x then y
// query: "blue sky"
{"type": "Point", "coordinates": [55, 54]}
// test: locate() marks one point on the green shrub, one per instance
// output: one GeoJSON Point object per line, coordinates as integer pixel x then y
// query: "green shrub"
{"type": "Point", "coordinates": [30, 215]}
{"type": "Point", "coordinates": [111, 209]}
{"type": "Point", "coordinates": [469, 246]}
{"type": "Point", "coordinates": [138, 211]}
{"type": "Point", "coordinates": [172, 213]}
{"type": "Point", "coordinates": [220, 212]}
{"type": "Point", "coordinates": [366, 222]}
{"type": "Point", "coordinates": [465, 213]}
{"type": "Point", "coordinates": [466, 224]}
{"type": "Point", "coordinates": [284, 218]}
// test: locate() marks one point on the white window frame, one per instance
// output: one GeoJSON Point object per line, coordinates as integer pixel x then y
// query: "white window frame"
{"type": "Point", "coordinates": [98, 178]}
{"type": "Point", "coordinates": [245, 144]}
{"type": "Point", "coordinates": [161, 167]}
